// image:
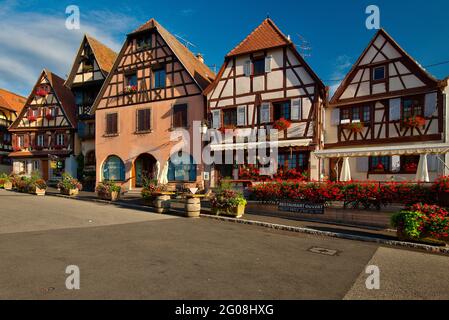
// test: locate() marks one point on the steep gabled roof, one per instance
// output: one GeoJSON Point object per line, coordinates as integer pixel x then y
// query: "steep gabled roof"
{"type": "Point", "coordinates": [267, 35]}
{"type": "Point", "coordinates": [62, 93]}
{"type": "Point", "coordinates": [197, 69]}
{"type": "Point", "coordinates": [11, 101]}
{"type": "Point", "coordinates": [104, 56]}
{"type": "Point", "coordinates": [347, 80]}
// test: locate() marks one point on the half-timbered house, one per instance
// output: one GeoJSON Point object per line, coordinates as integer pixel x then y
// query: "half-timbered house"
{"type": "Point", "coordinates": [264, 79]}
{"type": "Point", "coordinates": [91, 66]}
{"type": "Point", "coordinates": [155, 87]}
{"type": "Point", "coordinates": [43, 134]}
{"type": "Point", "coordinates": [10, 106]}
{"type": "Point", "coordinates": [386, 121]}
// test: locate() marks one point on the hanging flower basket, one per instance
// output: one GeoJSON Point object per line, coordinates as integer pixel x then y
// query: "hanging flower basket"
{"type": "Point", "coordinates": [414, 122]}
{"type": "Point", "coordinates": [282, 124]}
{"type": "Point", "coordinates": [355, 127]}
{"type": "Point", "coordinates": [131, 89]}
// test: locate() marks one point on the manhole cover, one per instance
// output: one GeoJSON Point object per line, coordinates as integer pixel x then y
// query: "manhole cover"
{"type": "Point", "coordinates": [325, 251]}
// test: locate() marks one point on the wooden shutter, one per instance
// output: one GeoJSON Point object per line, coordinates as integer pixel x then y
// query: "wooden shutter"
{"type": "Point", "coordinates": [241, 116]}
{"type": "Point", "coordinates": [268, 61]}
{"type": "Point", "coordinates": [335, 117]}
{"type": "Point", "coordinates": [296, 109]}
{"type": "Point", "coordinates": [111, 123]}
{"type": "Point", "coordinates": [26, 141]}
{"type": "Point", "coordinates": [395, 109]}
{"type": "Point", "coordinates": [430, 104]}
{"type": "Point", "coordinates": [247, 68]}
{"type": "Point", "coordinates": [265, 112]}
{"type": "Point", "coordinates": [216, 119]}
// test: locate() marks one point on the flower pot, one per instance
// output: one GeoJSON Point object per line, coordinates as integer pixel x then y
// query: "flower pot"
{"type": "Point", "coordinates": [115, 195]}
{"type": "Point", "coordinates": [236, 212]}
{"type": "Point", "coordinates": [192, 207]}
{"type": "Point", "coordinates": [7, 185]}
{"type": "Point", "coordinates": [40, 192]}
{"type": "Point", "coordinates": [161, 203]}
{"type": "Point", "coordinates": [70, 192]}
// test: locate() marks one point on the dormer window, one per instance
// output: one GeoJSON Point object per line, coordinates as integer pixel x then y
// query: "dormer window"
{"type": "Point", "coordinates": [379, 73]}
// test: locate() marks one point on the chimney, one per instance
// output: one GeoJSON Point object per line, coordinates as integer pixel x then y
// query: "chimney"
{"type": "Point", "coordinates": [200, 57]}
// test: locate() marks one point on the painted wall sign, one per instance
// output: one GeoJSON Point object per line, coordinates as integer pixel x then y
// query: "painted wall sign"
{"type": "Point", "coordinates": [302, 207]}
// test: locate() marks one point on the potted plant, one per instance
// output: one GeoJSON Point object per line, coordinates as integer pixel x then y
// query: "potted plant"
{"type": "Point", "coordinates": [379, 168]}
{"type": "Point", "coordinates": [5, 182]}
{"type": "Point", "coordinates": [228, 202]}
{"type": "Point", "coordinates": [38, 187]}
{"type": "Point", "coordinates": [108, 190]}
{"type": "Point", "coordinates": [69, 186]}
{"type": "Point", "coordinates": [282, 124]}
{"type": "Point", "coordinates": [414, 122]}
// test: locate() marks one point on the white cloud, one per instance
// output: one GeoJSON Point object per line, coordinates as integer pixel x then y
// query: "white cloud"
{"type": "Point", "coordinates": [341, 68]}
{"type": "Point", "coordinates": [30, 42]}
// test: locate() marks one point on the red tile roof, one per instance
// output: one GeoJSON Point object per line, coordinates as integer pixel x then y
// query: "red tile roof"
{"type": "Point", "coordinates": [104, 55]}
{"type": "Point", "coordinates": [11, 101]}
{"type": "Point", "coordinates": [267, 35]}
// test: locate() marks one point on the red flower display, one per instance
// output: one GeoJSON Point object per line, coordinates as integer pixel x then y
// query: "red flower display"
{"type": "Point", "coordinates": [282, 124]}
{"type": "Point", "coordinates": [355, 127]}
{"type": "Point", "coordinates": [131, 89]}
{"type": "Point", "coordinates": [414, 122]}
{"type": "Point", "coordinates": [411, 167]}
{"type": "Point", "coordinates": [41, 92]}
{"type": "Point", "coordinates": [32, 118]}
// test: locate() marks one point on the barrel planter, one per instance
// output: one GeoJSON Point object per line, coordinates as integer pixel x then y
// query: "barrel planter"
{"type": "Point", "coordinates": [8, 185]}
{"type": "Point", "coordinates": [193, 207]}
{"type": "Point", "coordinates": [161, 202]}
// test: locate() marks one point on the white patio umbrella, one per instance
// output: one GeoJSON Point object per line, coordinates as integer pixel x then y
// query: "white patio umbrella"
{"type": "Point", "coordinates": [345, 174]}
{"type": "Point", "coordinates": [422, 174]}
{"type": "Point", "coordinates": [163, 178]}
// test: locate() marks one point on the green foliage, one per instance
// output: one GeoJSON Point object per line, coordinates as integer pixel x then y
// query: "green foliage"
{"type": "Point", "coordinates": [69, 183]}
{"type": "Point", "coordinates": [410, 223]}
{"type": "Point", "coordinates": [106, 188]}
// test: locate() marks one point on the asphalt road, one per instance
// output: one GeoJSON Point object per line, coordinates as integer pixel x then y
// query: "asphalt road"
{"type": "Point", "coordinates": [129, 254]}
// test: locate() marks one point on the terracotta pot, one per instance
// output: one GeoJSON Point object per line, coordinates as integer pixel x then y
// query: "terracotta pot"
{"type": "Point", "coordinates": [40, 192]}
{"type": "Point", "coordinates": [7, 185]}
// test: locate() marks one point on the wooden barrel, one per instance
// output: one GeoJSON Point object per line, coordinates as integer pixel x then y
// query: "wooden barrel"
{"type": "Point", "coordinates": [162, 203]}
{"type": "Point", "coordinates": [193, 207]}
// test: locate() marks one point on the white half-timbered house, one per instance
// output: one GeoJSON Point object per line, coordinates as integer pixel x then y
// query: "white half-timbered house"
{"type": "Point", "coordinates": [262, 80]}
{"type": "Point", "coordinates": [43, 135]}
{"type": "Point", "coordinates": [387, 120]}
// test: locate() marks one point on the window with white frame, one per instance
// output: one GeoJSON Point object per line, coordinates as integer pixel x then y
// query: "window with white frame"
{"type": "Point", "coordinates": [60, 139]}
{"type": "Point", "coordinates": [40, 140]}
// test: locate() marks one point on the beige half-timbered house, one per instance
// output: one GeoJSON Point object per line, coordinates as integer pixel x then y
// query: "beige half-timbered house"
{"type": "Point", "coordinates": [387, 120]}
{"type": "Point", "coordinates": [264, 79]}
{"type": "Point", "coordinates": [10, 106]}
{"type": "Point", "coordinates": [43, 134]}
{"type": "Point", "coordinates": [154, 88]}
{"type": "Point", "coordinates": [91, 66]}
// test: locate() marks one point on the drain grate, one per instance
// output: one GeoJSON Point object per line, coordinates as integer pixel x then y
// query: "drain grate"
{"type": "Point", "coordinates": [325, 251]}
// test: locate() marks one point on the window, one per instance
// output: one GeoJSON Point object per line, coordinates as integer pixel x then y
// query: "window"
{"type": "Point", "coordinates": [259, 66]}
{"type": "Point", "coordinates": [6, 137]}
{"type": "Point", "coordinates": [20, 141]}
{"type": "Point", "coordinates": [412, 107]}
{"type": "Point", "coordinates": [131, 79]}
{"type": "Point", "coordinates": [114, 169]}
{"type": "Point", "coordinates": [180, 116]}
{"type": "Point", "coordinates": [282, 110]}
{"type": "Point", "coordinates": [355, 114]}
{"type": "Point", "coordinates": [144, 42]}
{"type": "Point", "coordinates": [380, 164]}
{"type": "Point", "coordinates": [40, 140]}
{"type": "Point", "coordinates": [379, 73]}
{"type": "Point", "coordinates": [60, 139]}
{"type": "Point", "coordinates": [143, 120]}
{"type": "Point", "coordinates": [230, 117]}
{"type": "Point", "coordinates": [111, 123]}
{"type": "Point", "coordinates": [295, 160]}
{"type": "Point", "coordinates": [159, 78]}
{"type": "Point", "coordinates": [181, 168]}
{"type": "Point", "coordinates": [409, 164]}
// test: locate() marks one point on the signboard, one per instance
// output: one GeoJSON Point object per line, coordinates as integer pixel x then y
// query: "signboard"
{"type": "Point", "coordinates": [302, 207]}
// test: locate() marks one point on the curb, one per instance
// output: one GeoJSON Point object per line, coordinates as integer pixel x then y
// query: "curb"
{"type": "Point", "coordinates": [428, 248]}
{"type": "Point", "coordinates": [338, 235]}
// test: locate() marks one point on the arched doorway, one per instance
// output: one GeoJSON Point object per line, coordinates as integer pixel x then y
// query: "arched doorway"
{"type": "Point", "coordinates": [144, 167]}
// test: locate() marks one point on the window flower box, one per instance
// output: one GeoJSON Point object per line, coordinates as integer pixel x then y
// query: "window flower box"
{"type": "Point", "coordinates": [414, 122]}
{"type": "Point", "coordinates": [282, 124]}
{"type": "Point", "coordinates": [131, 89]}
{"type": "Point", "coordinates": [355, 127]}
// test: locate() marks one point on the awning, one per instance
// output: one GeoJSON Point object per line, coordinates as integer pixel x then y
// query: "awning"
{"type": "Point", "coordinates": [398, 150]}
{"type": "Point", "coordinates": [261, 144]}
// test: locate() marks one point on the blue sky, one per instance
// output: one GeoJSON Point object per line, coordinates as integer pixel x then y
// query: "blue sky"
{"type": "Point", "coordinates": [33, 34]}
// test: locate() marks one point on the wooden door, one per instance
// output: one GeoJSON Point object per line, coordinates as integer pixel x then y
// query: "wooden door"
{"type": "Point", "coordinates": [44, 169]}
